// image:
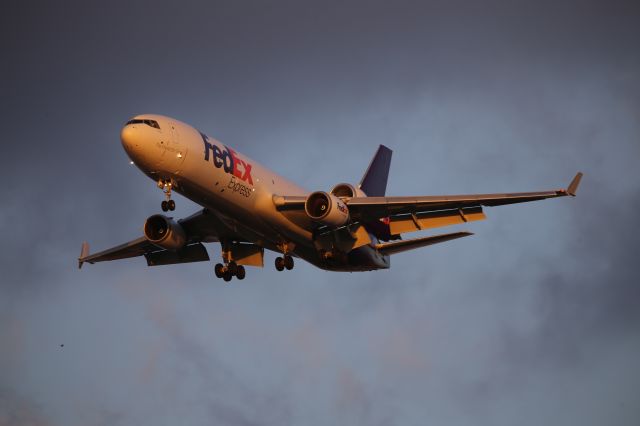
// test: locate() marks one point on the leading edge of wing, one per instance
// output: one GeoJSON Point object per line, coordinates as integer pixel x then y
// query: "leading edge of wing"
{"type": "Point", "coordinates": [376, 207]}
{"type": "Point", "coordinates": [132, 248]}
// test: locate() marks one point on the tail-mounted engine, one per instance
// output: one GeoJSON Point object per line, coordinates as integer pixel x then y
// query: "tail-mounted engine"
{"type": "Point", "coordinates": [346, 190]}
{"type": "Point", "coordinates": [379, 228]}
{"type": "Point", "coordinates": [164, 232]}
{"type": "Point", "coordinates": [326, 209]}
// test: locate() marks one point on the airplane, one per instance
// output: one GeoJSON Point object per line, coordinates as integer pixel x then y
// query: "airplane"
{"type": "Point", "coordinates": [247, 208]}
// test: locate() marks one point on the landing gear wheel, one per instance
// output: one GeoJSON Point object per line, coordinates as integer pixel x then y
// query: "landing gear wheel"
{"type": "Point", "coordinates": [219, 270]}
{"type": "Point", "coordinates": [288, 262]}
{"type": "Point", "coordinates": [165, 206]}
{"type": "Point", "coordinates": [171, 205]}
{"type": "Point", "coordinates": [227, 275]}
{"type": "Point", "coordinates": [279, 263]}
{"type": "Point", "coordinates": [240, 272]}
{"type": "Point", "coordinates": [232, 267]}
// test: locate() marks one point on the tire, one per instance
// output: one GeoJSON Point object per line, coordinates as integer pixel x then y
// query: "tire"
{"type": "Point", "coordinates": [279, 263]}
{"type": "Point", "coordinates": [164, 206]}
{"type": "Point", "coordinates": [232, 267]}
{"type": "Point", "coordinates": [227, 275]}
{"type": "Point", "coordinates": [171, 205]}
{"type": "Point", "coordinates": [219, 270]}
{"type": "Point", "coordinates": [240, 272]}
{"type": "Point", "coordinates": [288, 262]}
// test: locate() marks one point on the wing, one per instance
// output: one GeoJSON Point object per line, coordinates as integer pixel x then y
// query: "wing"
{"type": "Point", "coordinates": [199, 227]}
{"type": "Point", "coordinates": [415, 213]}
{"type": "Point", "coordinates": [134, 248]}
{"type": "Point", "coordinates": [370, 208]}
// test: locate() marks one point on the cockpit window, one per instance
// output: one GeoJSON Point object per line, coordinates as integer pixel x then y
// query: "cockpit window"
{"type": "Point", "coordinates": [151, 123]}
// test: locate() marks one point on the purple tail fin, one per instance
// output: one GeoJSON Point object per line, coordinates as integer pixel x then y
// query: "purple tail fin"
{"type": "Point", "coordinates": [374, 181]}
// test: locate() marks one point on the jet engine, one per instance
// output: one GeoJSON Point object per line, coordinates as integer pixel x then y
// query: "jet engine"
{"type": "Point", "coordinates": [326, 209]}
{"type": "Point", "coordinates": [164, 232]}
{"type": "Point", "coordinates": [346, 190]}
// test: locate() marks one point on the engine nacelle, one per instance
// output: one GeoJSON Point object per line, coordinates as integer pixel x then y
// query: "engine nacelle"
{"type": "Point", "coordinates": [164, 232]}
{"type": "Point", "coordinates": [346, 190]}
{"type": "Point", "coordinates": [326, 209]}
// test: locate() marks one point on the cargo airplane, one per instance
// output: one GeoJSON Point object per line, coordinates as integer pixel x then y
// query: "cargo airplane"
{"type": "Point", "coordinates": [247, 208]}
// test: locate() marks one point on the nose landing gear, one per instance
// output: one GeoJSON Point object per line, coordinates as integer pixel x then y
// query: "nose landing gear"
{"type": "Point", "coordinates": [167, 204]}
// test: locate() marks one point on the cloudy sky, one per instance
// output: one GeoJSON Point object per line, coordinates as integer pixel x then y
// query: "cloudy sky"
{"type": "Point", "coordinates": [533, 320]}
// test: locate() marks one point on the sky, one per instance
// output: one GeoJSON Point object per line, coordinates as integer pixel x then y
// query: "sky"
{"type": "Point", "coordinates": [533, 320]}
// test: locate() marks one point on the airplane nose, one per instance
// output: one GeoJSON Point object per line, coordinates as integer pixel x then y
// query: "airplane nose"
{"type": "Point", "coordinates": [137, 142]}
{"type": "Point", "coordinates": [140, 140]}
{"type": "Point", "coordinates": [130, 143]}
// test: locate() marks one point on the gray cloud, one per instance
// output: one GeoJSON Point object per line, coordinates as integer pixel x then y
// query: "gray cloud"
{"type": "Point", "coordinates": [16, 410]}
{"type": "Point", "coordinates": [531, 320]}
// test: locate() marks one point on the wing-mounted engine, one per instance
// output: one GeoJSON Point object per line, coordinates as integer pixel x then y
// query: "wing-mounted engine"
{"type": "Point", "coordinates": [326, 209]}
{"type": "Point", "coordinates": [164, 232]}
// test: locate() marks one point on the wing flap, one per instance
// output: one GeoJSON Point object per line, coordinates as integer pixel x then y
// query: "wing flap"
{"type": "Point", "coordinates": [406, 245]}
{"type": "Point", "coordinates": [400, 224]}
{"type": "Point", "coordinates": [191, 253]}
{"type": "Point", "coordinates": [247, 254]}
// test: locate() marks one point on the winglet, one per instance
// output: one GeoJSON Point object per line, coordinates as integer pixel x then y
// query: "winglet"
{"type": "Point", "coordinates": [84, 252]}
{"type": "Point", "coordinates": [573, 186]}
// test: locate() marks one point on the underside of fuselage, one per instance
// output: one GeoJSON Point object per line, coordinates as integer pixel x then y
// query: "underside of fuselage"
{"type": "Point", "coordinates": [234, 224]}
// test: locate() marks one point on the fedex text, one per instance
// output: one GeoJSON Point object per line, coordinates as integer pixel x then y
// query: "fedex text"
{"type": "Point", "coordinates": [227, 159]}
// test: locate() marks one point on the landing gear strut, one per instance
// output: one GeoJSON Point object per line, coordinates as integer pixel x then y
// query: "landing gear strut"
{"type": "Point", "coordinates": [167, 204]}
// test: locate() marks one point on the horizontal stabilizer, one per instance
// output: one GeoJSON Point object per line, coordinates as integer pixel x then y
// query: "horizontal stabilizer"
{"type": "Point", "coordinates": [405, 245]}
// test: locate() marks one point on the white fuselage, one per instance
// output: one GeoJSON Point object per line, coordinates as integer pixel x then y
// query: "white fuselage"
{"type": "Point", "coordinates": [237, 189]}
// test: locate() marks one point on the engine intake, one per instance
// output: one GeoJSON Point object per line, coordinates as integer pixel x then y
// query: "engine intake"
{"type": "Point", "coordinates": [326, 209]}
{"type": "Point", "coordinates": [164, 232]}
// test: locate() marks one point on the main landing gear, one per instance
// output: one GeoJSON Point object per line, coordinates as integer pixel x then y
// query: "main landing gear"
{"type": "Point", "coordinates": [284, 262]}
{"type": "Point", "coordinates": [167, 204]}
{"type": "Point", "coordinates": [230, 270]}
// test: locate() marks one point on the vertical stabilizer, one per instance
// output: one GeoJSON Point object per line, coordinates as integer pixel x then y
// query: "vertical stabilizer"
{"type": "Point", "coordinates": [374, 181]}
